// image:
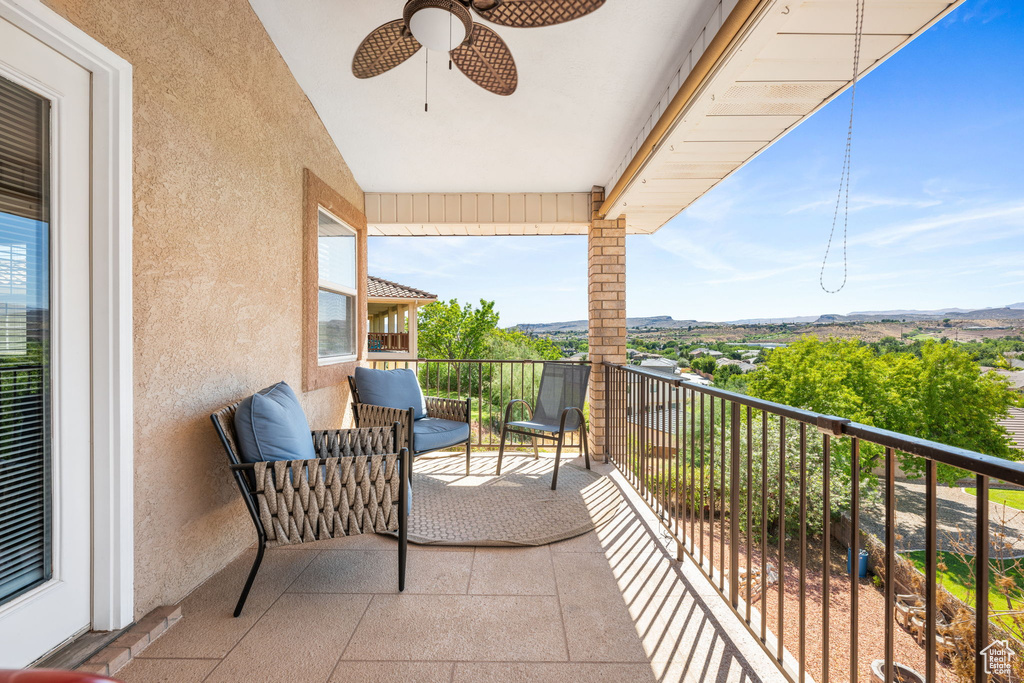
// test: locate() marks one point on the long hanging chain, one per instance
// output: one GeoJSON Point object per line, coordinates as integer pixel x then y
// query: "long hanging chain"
{"type": "Point", "coordinates": [843, 195]}
{"type": "Point", "coordinates": [426, 79]}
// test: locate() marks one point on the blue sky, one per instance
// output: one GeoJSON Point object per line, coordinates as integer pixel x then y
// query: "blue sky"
{"type": "Point", "coordinates": [936, 215]}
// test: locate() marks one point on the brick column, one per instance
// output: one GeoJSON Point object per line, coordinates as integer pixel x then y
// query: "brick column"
{"type": "Point", "coordinates": [606, 287]}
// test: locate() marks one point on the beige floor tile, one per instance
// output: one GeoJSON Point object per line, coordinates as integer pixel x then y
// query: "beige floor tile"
{"type": "Point", "coordinates": [207, 628]}
{"type": "Point", "coordinates": [393, 672]}
{"type": "Point", "coordinates": [512, 571]}
{"type": "Point", "coordinates": [460, 628]}
{"type": "Point", "coordinates": [589, 542]}
{"type": "Point", "coordinates": [166, 670]}
{"type": "Point", "coordinates": [715, 660]}
{"type": "Point", "coordinates": [374, 571]}
{"type": "Point", "coordinates": [561, 672]}
{"type": "Point", "coordinates": [300, 638]}
{"type": "Point", "coordinates": [357, 542]}
{"type": "Point", "coordinates": [598, 626]}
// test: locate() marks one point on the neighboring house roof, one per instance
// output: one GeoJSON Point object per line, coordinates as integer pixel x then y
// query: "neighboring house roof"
{"type": "Point", "coordinates": [666, 365]}
{"type": "Point", "coordinates": [743, 365]}
{"type": "Point", "coordinates": [1015, 425]}
{"type": "Point", "coordinates": [379, 288]}
{"type": "Point", "coordinates": [658, 361]}
{"type": "Point", "coordinates": [703, 352]}
{"type": "Point", "coordinates": [1016, 377]}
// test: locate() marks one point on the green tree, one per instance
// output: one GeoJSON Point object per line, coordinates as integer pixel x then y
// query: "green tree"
{"type": "Point", "coordinates": [940, 395]}
{"type": "Point", "coordinates": [514, 345]}
{"type": "Point", "coordinates": [957, 405]}
{"type": "Point", "coordinates": [724, 372]}
{"type": "Point", "coordinates": [705, 364]}
{"type": "Point", "coordinates": [451, 330]}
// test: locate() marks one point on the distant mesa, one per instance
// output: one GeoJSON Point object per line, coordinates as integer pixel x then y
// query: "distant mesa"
{"type": "Point", "coordinates": [1009, 312]}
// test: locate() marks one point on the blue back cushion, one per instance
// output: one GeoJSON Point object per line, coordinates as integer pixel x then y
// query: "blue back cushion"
{"type": "Point", "coordinates": [392, 389]}
{"type": "Point", "coordinates": [271, 426]}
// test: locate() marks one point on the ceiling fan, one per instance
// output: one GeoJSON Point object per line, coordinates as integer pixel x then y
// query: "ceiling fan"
{"type": "Point", "coordinates": [448, 26]}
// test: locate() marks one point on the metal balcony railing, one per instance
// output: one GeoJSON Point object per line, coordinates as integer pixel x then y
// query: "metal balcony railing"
{"type": "Point", "coordinates": [490, 383]}
{"type": "Point", "coordinates": [726, 472]}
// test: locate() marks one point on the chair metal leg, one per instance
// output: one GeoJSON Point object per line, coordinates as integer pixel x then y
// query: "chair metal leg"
{"type": "Point", "coordinates": [469, 449]}
{"type": "Point", "coordinates": [558, 458]}
{"type": "Point", "coordinates": [536, 453]}
{"type": "Point", "coordinates": [252, 577]}
{"type": "Point", "coordinates": [586, 448]}
{"type": "Point", "coordinates": [501, 449]}
{"type": "Point", "coordinates": [403, 521]}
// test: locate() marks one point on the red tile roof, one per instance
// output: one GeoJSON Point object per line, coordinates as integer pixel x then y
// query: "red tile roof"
{"type": "Point", "coordinates": [380, 288]}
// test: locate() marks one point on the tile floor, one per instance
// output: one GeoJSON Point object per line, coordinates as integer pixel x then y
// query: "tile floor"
{"type": "Point", "coordinates": [610, 605]}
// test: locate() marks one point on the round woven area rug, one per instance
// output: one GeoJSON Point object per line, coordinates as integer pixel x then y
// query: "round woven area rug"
{"type": "Point", "coordinates": [517, 508]}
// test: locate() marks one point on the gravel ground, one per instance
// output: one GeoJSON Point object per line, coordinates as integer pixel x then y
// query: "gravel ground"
{"type": "Point", "coordinates": [870, 626]}
{"type": "Point", "coordinates": [956, 511]}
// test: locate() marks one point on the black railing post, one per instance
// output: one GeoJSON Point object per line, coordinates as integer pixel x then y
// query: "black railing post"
{"type": "Point", "coordinates": [734, 505]}
{"type": "Point", "coordinates": [890, 558]}
{"type": "Point", "coordinates": [854, 556]}
{"type": "Point", "coordinates": [981, 587]}
{"type": "Point", "coordinates": [930, 569]}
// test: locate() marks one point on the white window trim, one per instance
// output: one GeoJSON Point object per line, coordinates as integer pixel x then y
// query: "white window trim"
{"type": "Point", "coordinates": [344, 290]}
{"type": "Point", "coordinates": [113, 537]}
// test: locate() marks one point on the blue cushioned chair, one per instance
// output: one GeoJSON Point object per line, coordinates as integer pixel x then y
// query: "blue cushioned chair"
{"type": "Point", "coordinates": [383, 397]}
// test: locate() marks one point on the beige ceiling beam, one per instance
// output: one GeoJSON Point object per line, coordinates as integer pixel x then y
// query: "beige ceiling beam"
{"type": "Point", "coordinates": [770, 65]}
{"type": "Point", "coordinates": [477, 213]}
{"type": "Point", "coordinates": [705, 66]}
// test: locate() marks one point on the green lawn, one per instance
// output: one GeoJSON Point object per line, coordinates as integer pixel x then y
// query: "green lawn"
{"type": "Point", "coordinates": [958, 579]}
{"type": "Point", "coordinates": [1012, 497]}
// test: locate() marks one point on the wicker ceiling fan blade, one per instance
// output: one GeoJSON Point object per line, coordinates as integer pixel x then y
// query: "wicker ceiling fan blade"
{"type": "Point", "coordinates": [533, 13]}
{"type": "Point", "coordinates": [385, 48]}
{"type": "Point", "coordinates": [487, 61]}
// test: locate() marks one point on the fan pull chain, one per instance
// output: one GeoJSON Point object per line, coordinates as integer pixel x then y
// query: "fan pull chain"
{"type": "Point", "coordinates": [843, 195]}
{"type": "Point", "coordinates": [449, 41]}
{"type": "Point", "coordinates": [426, 79]}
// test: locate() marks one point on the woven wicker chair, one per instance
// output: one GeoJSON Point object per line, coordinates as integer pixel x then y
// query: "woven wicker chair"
{"type": "Point", "coordinates": [456, 410]}
{"type": "Point", "coordinates": [355, 486]}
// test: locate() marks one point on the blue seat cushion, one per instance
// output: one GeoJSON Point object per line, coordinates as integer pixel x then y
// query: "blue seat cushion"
{"type": "Point", "coordinates": [391, 388]}
{"type": "Point", "coordinates": [271, 426]}
{"type": "Point", "coordinates": [433, 433]}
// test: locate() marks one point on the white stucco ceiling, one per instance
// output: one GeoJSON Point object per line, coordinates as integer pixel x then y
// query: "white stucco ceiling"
{"type": "Point", "coordinates": [585, 88]}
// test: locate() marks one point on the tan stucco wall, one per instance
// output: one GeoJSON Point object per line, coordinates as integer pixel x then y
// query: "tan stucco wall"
{"type": "Point", "coordinates": [221, 135]}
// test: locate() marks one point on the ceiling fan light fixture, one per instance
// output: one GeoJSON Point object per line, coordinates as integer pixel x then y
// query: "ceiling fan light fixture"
{"type": "Point", "coordinates": [432, 24]}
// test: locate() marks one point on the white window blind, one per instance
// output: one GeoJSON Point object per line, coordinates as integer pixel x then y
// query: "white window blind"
{"type": "Point", "coordinates": [25, 503]}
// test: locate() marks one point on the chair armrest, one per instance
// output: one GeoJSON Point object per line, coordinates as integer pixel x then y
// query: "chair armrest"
{"type": "Point", "coordinates": [455, 409]}
{"type": "Point", "coordinates": [508, 408]}
{"type": "Point", "coordinates": [568, 411]}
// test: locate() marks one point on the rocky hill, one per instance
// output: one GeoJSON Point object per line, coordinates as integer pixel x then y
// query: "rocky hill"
{"type": "Point", "coordinates": [990, 316]}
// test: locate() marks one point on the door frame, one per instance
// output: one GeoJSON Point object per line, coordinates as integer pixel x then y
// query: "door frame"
{"type": "Point", "coordinates": [113, 546]}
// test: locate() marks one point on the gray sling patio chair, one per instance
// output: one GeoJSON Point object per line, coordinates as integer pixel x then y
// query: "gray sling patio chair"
{"type": "Point", "coordinates": [559, 409]}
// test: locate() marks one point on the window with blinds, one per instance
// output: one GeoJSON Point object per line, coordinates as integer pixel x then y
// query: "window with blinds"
{"type": "Point", "coordinates": [25, 503]}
